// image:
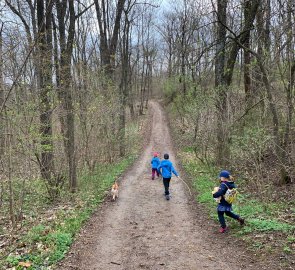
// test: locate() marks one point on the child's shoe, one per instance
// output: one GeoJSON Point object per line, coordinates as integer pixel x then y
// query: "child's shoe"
{"type": "Point", "coordinates": [167, 197]}
{"type": "Point", "coordinates": [223, 230]}
{"type": "Point", "coordinates": [242, 221]}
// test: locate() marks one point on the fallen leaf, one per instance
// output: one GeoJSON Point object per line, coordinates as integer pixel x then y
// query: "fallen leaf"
{"type": "Point", "coordinates": [25, 264]}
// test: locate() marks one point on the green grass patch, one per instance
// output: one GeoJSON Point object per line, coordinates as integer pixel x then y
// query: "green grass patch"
{"type": "Point", "coordinates": [264, 225]}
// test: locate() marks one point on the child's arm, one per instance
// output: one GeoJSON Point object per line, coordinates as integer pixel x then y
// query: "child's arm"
{"type": "Point", "coordinates": [174, 171]}
{"type": "Point", "coordinates": [159, 169]}
{"type": "Point", "coordinates": [221, 191]}
{"type": "Point", "coordinates": [158, 161]}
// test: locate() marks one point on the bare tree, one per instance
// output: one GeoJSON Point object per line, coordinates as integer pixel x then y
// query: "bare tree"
{"type": "Point", "coordinates": [39, 38]}
{"type": "Point", "coordinates": [44, 71]}
{"type": "Point", "coordinates": [225, 64]}
{"type": "Point", "coordinates": [66, 8]}
{"type": "Point", "coordinates": [109, 32]}
{"type": "Point", "coordinates": [220, 83]}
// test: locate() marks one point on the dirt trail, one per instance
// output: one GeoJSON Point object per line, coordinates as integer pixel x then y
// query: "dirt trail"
{"type": "Point", "coordinates": [142, 230]}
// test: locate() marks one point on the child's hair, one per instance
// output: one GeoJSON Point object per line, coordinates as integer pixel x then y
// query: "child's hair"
{"type": "Point", "coordinates": [166, 156]}
{"type": "Point", "coordinates": [231, 178]}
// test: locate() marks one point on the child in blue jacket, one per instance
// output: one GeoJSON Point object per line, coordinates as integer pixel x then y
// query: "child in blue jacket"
{"type": "Point", "coordinates": [224, 207]}
{"type": "Point", "coordinates": [155, 163]}
{"type": "Point", "coordinates": [166, 169]}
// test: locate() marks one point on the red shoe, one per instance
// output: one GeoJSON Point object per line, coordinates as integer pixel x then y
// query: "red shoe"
{"type": "Point", "coordinates": [223, 230]}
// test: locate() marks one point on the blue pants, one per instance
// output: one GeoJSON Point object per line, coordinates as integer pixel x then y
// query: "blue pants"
{"type": "Point", "coordinates": [166, 182]}
{"type": "Point", "coordinates": [221, 217]}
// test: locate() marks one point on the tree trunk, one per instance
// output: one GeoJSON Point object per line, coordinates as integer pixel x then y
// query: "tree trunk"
{"type": "Point", "coordinates": [10, 185]}
{"type": "Point", "coordinates": [2, 126]}
{"type": "Point", "coordinates": [247, 60]}
{"type": "Point", "coordinates": [64, 91]}
{"type": "Point", "coordinates": [2, 122]}
{"type": "Point", "coordinates": [285, 176]}
{"type": "Point", "coordinates": [44, 52]}
{"type": "Point", "coordinates": [124, 84]}
{"type": "Point", "coordinates": [242, 39]}
{"type": "Point", "coordinates": [257, 82]}
{"type": "Point", "coordinates": [183, 54]}
{"type": "Point", "coordinates": [221, 103]}
{"type": "Point", "coordinates": [224, 73]}
{"type": "Point", "coordinates": [108, 44]}
{"type": "Point", "coordinates": [108, 48]}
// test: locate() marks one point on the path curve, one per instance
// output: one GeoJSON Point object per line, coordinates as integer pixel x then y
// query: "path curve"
{"type": "Point", "coordinates": [142, 230]}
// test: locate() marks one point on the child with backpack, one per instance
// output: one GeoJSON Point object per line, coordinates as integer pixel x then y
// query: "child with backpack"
{"type": "Point", "coordinates": [155, 163]}
{"type": "Point", "coordinates": [226, 199]}
{"type": "Point", "coordinates": [166, 169]}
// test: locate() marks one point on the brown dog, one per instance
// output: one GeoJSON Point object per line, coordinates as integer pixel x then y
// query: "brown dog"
{"type": "Point", "coordinates": [115, 191]}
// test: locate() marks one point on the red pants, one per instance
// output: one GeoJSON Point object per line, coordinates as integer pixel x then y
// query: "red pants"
{"type": "Point", "coordinates": [153, 173]}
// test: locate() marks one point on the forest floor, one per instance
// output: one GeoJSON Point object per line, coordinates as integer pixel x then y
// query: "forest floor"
{"type": "Point", "coordinates": [142, 230]}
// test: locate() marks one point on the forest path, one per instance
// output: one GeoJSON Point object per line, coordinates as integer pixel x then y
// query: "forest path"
{"type": "Point", "coordinates": [142, 230]}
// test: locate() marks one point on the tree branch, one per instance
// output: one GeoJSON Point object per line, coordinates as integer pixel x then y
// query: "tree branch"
{"type": "Point", "coordinates": [82, 12]}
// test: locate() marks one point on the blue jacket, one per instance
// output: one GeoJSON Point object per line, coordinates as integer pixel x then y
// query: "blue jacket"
{"type": "Point", "coordinates": [155, 162]}
{"type": "Point", "coordinates": [167, 169]}
{"type": "Point", "coordinates": [222, 190]}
